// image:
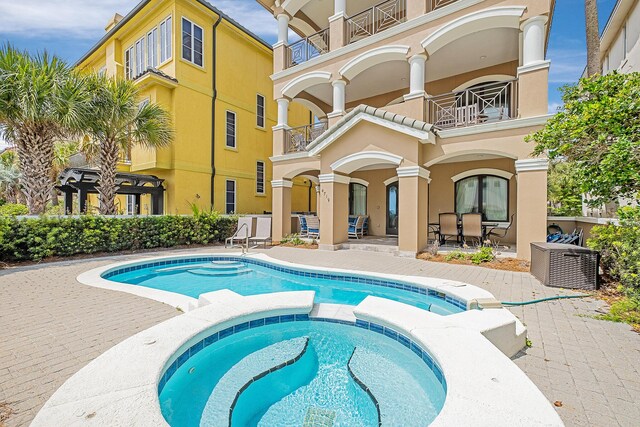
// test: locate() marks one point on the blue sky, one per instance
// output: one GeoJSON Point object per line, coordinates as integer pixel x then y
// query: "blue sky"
{"type": "Point", "coordinates": [68, 28]}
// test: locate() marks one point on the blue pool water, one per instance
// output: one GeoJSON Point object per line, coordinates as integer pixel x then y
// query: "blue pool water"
{"type": "Point", "coordinates": [317, 384]}
{"type": "Point", "coordinates": [251, 277]}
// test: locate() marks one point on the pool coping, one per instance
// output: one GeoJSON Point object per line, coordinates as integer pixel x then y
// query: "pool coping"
{"type": "Point", "coordinates": [120, 387]}
{"type": "Point", "coordinates": [94, 277]}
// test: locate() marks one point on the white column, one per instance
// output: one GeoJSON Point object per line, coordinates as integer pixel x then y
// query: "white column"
{"type": "Point", "coordinates": [533, 40]}
{"type": "Point", "coordinates": [417, 64]}
{"type": "Point", "coordinates": [339, 7]}
{"type": "Point", "coordinates": [283, 28]}
{"type": "Point", "coordinates": [339, 96]}
{"type": "Point", "coordinates": [283, 112]}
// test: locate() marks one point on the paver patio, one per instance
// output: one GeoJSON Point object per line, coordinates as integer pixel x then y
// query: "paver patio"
{"type": "Point", "coordinates": [51, 326]}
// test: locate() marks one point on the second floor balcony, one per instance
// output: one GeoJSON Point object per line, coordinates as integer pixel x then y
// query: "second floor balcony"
{"type": "Point", "coordinates": [297, 139]}
{"type": "Point", "coordinates": [375, 20]}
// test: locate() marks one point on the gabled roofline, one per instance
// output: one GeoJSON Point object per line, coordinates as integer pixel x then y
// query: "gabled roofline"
{"type": "Point", "coordinates": [142, 4]}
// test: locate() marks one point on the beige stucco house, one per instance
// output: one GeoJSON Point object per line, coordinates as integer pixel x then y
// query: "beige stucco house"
{"type": "Point", "coordinates": [420, 108]}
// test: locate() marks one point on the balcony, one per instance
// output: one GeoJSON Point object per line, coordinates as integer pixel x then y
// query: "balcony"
{"type": "Point", "coordinates": [483, 103]}
{"type": "Point", "coordinates": [308, 48]}
{"type": "Point", "coordinates": [375, 20]}
{"type": "Point", "coordinates": [437, 4]}
{"type": "Point", "coordinates": [297, 139]}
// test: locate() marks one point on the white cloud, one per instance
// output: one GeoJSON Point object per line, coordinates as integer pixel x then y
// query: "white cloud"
{"type": "Point", "coordinates": [87, 19]}
{"type": "Point", "coordinates": [567, 65]}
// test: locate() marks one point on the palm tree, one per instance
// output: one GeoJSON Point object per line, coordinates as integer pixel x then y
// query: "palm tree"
{"type": "Point", "coordinates": [593, 37]}
{"type": "Point", "coordinates": [118, 122]}
{"type": "Point", "coordinates": [9, 178]}
{"type": "Point", "coordinates": [62, 152]}
{"type": "Point", "coordinates": [41, 101]}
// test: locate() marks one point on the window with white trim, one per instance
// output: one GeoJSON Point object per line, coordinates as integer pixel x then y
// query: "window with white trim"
{"type": "Point", "coordinates": [128, 63]}
{"type": "Point", "coordinates": [260, 104]}
{"type": "Point", "coordinates": [260, 177]}
{"type": "Point", "coordinates": [165, 40]}
{"type": "Point", "coordinates": [139, 57]}
{"type": "Point", "coordinates": [152, 48]}
{"type": "Point", "coordinates": [192, 42]}
{"type": "Point", "coordinates": [230, 197]}
{"type": "Point", "coordinates": [231, 129]}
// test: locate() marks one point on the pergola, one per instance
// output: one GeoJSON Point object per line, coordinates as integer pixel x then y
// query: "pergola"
{"type": "Point", "coordinates": [83, 182]}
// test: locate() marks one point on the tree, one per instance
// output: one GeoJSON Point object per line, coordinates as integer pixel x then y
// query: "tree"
{"type": "Point", "coordinates": [593, 37]}
{"type": "Point", "coordinates": [62, 152]}
{"type": "Point", "coordinates": [599, 133]}
{"type": "Point", "coordinates": [564, 191]}
{"type": "Point", "coordinates": [10, 178]}
{"type": "Point", "coordinates": [41, 101]}
{"type": "Point", "coordinates": [118, 122]}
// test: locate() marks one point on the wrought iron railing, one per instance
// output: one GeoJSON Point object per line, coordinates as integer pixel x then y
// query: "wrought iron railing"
{"type": "Point", "coordinates": [437, 4]}
{"type": "Point", "coordinates": [483, 103]}
{"type": "Point", "coordinates": [297, 139]}
{"type": "Point", "coordinates": [375, 19]}
{"type": "Point", "coordinates": [308, 48]}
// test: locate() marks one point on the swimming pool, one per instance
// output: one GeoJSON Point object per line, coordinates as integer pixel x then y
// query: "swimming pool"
{"type": "Point", "coordinates": [294, 373]}
{"type": "Point", "coordinates": [246, 276]}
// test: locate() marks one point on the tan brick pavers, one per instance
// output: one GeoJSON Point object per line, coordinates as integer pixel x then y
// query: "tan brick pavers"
{"type": "Point", "coordinates": [51, 326]}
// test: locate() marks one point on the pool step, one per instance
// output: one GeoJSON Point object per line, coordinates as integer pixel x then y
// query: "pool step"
{"type": "Point", "coordinates": [221, 266]}
{"type": "Point", "coordinates": [224, 397]}
{"type": "Point", "coordinates": [319, 417]}
{"type": "Point", "coordinates": [381, 379]}
{"type": "Point", "coordinates": [212, 272]}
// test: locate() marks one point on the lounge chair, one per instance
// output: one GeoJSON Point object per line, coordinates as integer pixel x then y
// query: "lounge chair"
{"type": "Point", "coordinates": [304, 231]}
{"type": "Point", "coordinates": [357, 229]}
{"type": "Point", "coordinates": [243, 232]}
{"type": "Point", "coordinates": [313, 226]}
{"type": "Point", "coordinates": [263, 231]}
{"type": "Point", "coordinates": [448, 227]}
{"type": "Point", "coordinates": [472, 227]}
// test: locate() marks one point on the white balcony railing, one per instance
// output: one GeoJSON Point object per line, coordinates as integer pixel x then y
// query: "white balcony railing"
{"type": "Point", "coordinates": [483, 103]}
{"type": "Point", "coordinates": [375, 19]}
{"type": "Point", "coordinates": [437, 4]}
{"type": "Point", "coordinates": [308, 48]}
{"type": "Point", "coordinates": [297, 139]}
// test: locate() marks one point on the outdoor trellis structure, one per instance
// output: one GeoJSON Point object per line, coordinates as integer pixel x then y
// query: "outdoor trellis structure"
{"type": "Point", "coordinates": [82, 182]}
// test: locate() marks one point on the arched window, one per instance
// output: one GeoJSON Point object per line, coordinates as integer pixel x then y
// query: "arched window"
{"type": "Point", "coordinates": [357, 199]}
{"type": "Point", "coordinates": [485, 194]}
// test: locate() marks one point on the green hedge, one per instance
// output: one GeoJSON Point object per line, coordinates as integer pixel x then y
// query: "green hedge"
{"type": "Point", "coordinates": [13, 209]}
{"type": "Point", "coordinates": [619, 246]}
{"type": "Point", "coordinates": [38, 238]}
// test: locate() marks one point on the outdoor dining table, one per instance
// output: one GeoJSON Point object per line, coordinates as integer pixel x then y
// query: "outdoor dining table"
{"type": "Point", "coordinates": [434, 227]}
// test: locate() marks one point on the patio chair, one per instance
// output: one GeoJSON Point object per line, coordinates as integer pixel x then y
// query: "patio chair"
{"type": "Point", "coordinates": [501, 232]}
{"type": "Point", "coordinates": [365, 226]}
{"type": "Point", "coordinates": [448, 227]}
{"type": "Point", "coordinates": [472, 227]}
{"type": "Point", "coordinates": [243, 232]}
{"type": "Point", "coordinates": [313, 226]}
{"type": "Point", "coordinates": [263, 231]}
{"type": "Point", "coordinates": [303, 226]}
{"type": "Point", "coordinates": [357, 229]}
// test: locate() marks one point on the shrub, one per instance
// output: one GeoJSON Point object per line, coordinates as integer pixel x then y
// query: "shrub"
{"type": "Point", "coordinates": [292, 239]}
{"type": "Point", "coordinates": [457, 254]}
{"type": "Point", "coordinates": [484, 254]}
{"type": "Point", "coordinates": [619, 247]}
{"type": "Point", "coordinates": [13, 209]}
{"type": "Point", "coordinates": [38, 238]}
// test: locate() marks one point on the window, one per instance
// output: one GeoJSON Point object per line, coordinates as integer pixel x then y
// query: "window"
{"type": "Point", "coordinates": [152, 48]}
{"type": "Point", "coordinates": [260, 111]}
{"type": "Point", "coordinates": [231, 129]}
{"type": "Point", "coordinates": [260, 177]}
{"type": "Point", "coordinates": [139, 57]}
{"type": "Point", "coordinates": [192, 37]}
{"type": "Point", "coordinates": [131, 204]}
{"type": "Point", "coordinates": [485, 194]}
{"type": "Point", "coordinates": [128, 63]}
{"type": "Point", "coordinates": [165, 40]}
{"type": "Point", "coordinates": [230, 197]}
{"type": "Point", "coordinates": [357, 199]}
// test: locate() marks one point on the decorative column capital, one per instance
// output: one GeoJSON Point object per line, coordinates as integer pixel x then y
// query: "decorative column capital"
{"type": "Point", "coordinates": [338, 83]}
{"type": "Point", "coordinates": [281, 183]}
{"type": "Point", "coordinates": [333, 178]}
{"type": "Point", "coordinates": [420, 58]}
{"type": "Point", "coordinates": [531, 165]}
{"type": "Point", "coordinates": [413, 171]}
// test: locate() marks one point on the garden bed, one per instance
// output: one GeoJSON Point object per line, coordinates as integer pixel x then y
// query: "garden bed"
{"type": "Point", "coordinates": [507, 264]}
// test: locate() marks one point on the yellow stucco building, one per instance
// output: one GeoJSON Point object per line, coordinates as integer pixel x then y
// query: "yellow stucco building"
{"type": "Point", "coordinates": [212, 74]}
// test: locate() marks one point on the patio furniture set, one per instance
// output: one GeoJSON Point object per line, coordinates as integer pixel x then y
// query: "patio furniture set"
{"type": "Point", "coordinates": [310, 226]}
{"type": "Point", "coordinates": [247, 234]}
{"type": "Point", "coordinates": [468, 226]}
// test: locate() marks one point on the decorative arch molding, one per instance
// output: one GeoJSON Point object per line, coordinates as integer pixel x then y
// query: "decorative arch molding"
{"type": "Point", "coordinates": [482, 171]}
{"type": "Point", "coordinates": [317, 111]}
{"type": "Point", "coordinates": [454, 154]}
{"type": "Point", "coordinates": [390, 181]}
{"type": "Point", "coordinates": [495, 17]}
{"type": "Point", "coordinates": [301, 25]}
{"type": "Point", "coordinates": [359, 181]}
{"type": "Point", "coordinates": [305, 81]}
{"type": "Point", "coordinates": [372, 58]}
{"type": "Point", "coordinates": [483, 79]}
{"type": "Point", "coordinates": [302, 170]}
{"type": "Point", "coordinates": [311, 178]}
{"type": "Point", "coordinates": [353, 162]}
{"type": "Point", "coordinates": [293, 6]}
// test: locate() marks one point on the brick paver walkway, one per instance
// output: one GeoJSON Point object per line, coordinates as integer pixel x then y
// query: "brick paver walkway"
{"type": "Point", "coordinates": [51, 326]}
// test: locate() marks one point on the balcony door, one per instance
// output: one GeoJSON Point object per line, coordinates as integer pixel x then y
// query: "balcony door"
{"type": "Point", "coordinates": [392, 209]}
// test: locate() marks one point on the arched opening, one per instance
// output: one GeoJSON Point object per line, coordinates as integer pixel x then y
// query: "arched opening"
{"type": "Point", "coordinates": [484, 194]}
